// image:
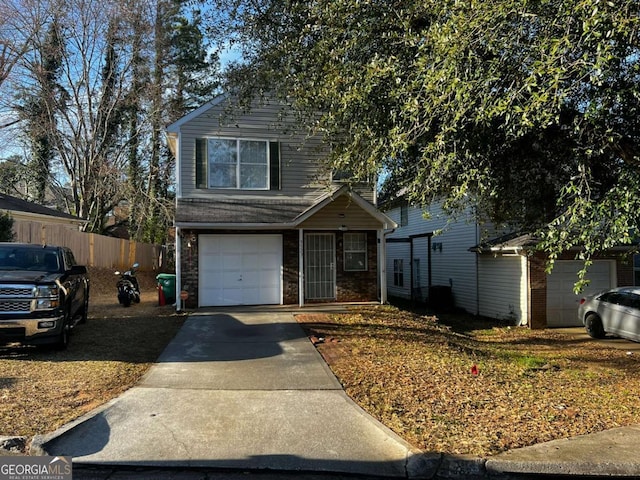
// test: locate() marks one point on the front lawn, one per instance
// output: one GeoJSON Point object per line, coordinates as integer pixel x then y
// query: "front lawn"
{"type": "Point", "coordinates": [472, 388]}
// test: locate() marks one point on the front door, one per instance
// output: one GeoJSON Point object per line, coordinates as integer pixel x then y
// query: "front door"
{"type": "Point", "coordinates": [319, 266]}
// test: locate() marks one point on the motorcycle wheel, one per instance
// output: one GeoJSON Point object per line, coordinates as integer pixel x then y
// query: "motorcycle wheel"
{"type": "Point", "coordinates": [124, 299]}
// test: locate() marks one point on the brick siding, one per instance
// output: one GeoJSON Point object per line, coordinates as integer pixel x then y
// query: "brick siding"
{"type": "Point", "coordinates": [357, 286]}
{"type": "Point", "coordinates": [351, 286]}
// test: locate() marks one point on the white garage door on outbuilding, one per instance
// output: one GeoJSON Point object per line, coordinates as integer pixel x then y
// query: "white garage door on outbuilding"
{"type": "Point", "coordinates": [562, 303]}
{"type": "Point", "coordinates": [240, 270]}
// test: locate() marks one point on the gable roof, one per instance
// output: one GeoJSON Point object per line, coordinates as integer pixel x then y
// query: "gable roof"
{"type": "Point", "coordinates": [357, 199]}
{"type": "Point", "coordinates": [14, 204]}
{"type": "Point", "coordinates": [175, 126]}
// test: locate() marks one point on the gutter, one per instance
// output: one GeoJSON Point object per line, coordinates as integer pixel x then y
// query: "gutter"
{"type": "Point", "coordinates": [235, 226]}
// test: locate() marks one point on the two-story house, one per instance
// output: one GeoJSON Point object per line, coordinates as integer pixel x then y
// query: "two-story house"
{"type": "Point", "coordinates": [257, 222]}
{"type": "Point", "coordinates": [476, 267]}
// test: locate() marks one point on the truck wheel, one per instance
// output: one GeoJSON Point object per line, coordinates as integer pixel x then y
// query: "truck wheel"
{"type": "Point", "coordinates": [84, 311]}
{"type": "Point", "coordinates": [63, 337]}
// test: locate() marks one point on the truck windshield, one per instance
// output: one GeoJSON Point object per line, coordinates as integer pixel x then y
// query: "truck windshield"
{"type": "Point", "coordinates": [24, 258]}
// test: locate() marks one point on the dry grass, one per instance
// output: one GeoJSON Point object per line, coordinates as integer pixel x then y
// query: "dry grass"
{"type": "Point", "coordinates": [416, 374]}
{"type": "Point", "coordinates": [40, 390]}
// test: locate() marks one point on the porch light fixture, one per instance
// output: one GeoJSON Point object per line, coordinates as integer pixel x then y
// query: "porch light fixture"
{"type": "Point", "coordinates": [436, 246]}
{"type": "Point", "coordinates": [343, 228]}
{"type": "Point", "coordinates": [193, 240]}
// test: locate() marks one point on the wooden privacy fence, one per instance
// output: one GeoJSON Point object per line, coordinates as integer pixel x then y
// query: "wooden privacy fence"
{"type": "Point", "coordinates": [89, 248]}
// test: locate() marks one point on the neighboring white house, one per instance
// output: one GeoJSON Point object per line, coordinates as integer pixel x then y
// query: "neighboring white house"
{"type": "Point", "coordinates": [430, 257]}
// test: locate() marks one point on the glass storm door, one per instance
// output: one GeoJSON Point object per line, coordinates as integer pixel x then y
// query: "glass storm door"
{"type": "Point", "coordinates": [319, 266]}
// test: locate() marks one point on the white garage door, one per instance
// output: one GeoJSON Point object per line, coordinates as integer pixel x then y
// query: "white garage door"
{"type": "Point", "coordinates": [562, 303]}
{"type": "Point", "coordinates": [240, 270]}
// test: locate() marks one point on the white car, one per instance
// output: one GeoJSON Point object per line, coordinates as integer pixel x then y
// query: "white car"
{"type": "Point", "coordinates": [615, 312]}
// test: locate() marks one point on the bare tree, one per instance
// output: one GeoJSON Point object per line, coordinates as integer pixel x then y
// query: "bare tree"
{"type": "Point", "coordinates": [95, 80]}
{"type": "Point", "coordinates": [20, 20]}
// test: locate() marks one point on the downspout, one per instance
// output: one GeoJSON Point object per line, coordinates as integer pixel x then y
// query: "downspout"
{"type": "Point", "coordinates": [301, 268]}
{"type": "Point", "coordinates": [411, 273]}
{"type": "Point", "coordinates": [178, 232]}
{"type": "Point", "coordinates": [382, 263]}
{"type": "Point", "coordinates": [178, 268]}
{"type": "Point", "coordinates": [477, 271]}
{"type": "Point", "coordinates": [429, 236]}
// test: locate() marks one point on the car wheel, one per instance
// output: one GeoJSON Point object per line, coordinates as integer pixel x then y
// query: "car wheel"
{"type": "Point", "coordinates": [593, 325]}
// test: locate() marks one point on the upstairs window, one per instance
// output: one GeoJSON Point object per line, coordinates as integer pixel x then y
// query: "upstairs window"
{"type": "Point", "coordinates": [404, 215]}
{"type": "Point", "coordinates": [241, 164]}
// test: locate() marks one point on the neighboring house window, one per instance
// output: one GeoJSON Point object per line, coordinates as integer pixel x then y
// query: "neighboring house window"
{"type": "Point", "coordinates": [636, 269]}
{"type": "Point", "coordinates": [341, 175]}
{"type": "Point", "coordinates": [355, 251]}
{"type": "Point", "coordinates": [404, 215]}
{"type": "Point", "coordinates": [237, 164]}
{"type": "Point", "coordinates": [398, 274]}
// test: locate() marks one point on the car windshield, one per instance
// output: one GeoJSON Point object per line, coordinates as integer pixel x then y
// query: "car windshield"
{"type": "Point", "coordinates": [25, 258]}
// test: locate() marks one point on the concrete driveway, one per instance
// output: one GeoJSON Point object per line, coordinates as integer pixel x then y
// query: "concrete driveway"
{"type": "Point", "coordinates": [238, 390]}
{"type": "Point", "coordinates": [580, 334]}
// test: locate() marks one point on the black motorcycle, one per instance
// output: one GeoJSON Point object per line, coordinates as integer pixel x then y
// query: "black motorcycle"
{"type": "Point", "coordinates": [128, 288]}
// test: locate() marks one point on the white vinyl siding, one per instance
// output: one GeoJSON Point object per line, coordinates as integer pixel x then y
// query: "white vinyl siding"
{"type": "Point", "coordinates": [503, 287]}
{"type": "Point", "coordinates": [454, 265]}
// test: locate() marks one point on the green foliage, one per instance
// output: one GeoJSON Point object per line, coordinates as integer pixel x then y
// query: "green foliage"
{"type": "Point", "coordinates": [527, 109]}
{"type": "Point", "coordinates": [13, 176]}
{"type": "Point", "coordinates": [6, 227]}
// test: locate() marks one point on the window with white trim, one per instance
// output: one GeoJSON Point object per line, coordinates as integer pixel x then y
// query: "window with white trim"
{"type": "Point", "coordinates": [355, 252]}
{"type": "Point", "coordinates": [233, 163]}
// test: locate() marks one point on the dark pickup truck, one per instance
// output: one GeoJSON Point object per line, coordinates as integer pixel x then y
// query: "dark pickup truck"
{"type": "Point", "coordinates": [44, 294]}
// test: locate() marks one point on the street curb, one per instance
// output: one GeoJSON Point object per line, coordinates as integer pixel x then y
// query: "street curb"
{"type": "Point", "coordinates": [38, 446]}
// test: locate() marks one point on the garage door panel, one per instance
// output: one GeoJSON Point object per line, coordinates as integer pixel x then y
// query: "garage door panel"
{"type": "Point", "coordinates": [562, 302]}
{"type": "Point", "coordinates": [240, 270]}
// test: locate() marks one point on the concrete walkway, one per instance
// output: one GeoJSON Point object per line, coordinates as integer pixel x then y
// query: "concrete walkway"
{"type": "Point", "coordinates": [238, 390]}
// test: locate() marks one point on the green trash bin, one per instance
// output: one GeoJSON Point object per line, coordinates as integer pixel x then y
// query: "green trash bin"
{"type": "Point", "coordinates": [167, 282]}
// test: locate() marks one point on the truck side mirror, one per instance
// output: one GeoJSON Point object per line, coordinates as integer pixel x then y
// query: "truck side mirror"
{"type": "Point", "coordinates": [79, 270]}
